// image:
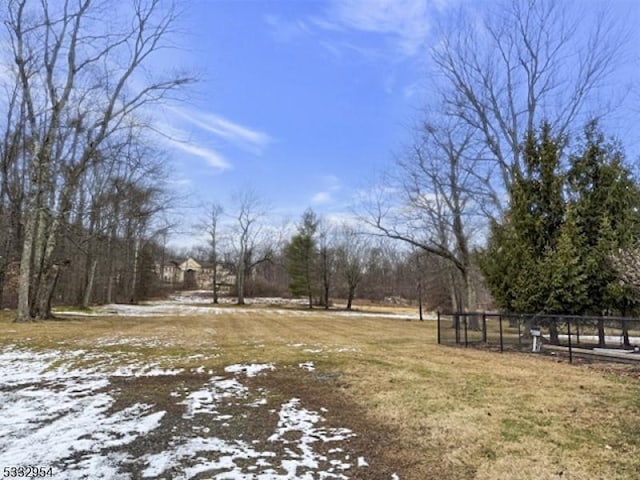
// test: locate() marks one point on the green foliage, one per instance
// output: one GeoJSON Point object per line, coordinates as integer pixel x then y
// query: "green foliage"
{"type": "Point", "coordinates": [607, 201]}
{"type": "Point", "coordinates": [566, 272]}
{"type": "Point", "coordinates": [537, 201]}
{"type": "Point", "coordinates": [517, 258]}
{"type": "Point", "coordinates": [302, 257]}
{"type": "Point", "coordinates": [551, 253]}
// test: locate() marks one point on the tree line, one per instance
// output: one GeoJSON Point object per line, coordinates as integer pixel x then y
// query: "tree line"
{"type": "Point", "coordinates": [321, 261]}
{"type": "Point", "coordinates": [81, 186]}
{"type": "Point", "coordinates": [555, 248]}
{"type": "Point", "coordinates": [509, 182]}
{"type": "Point", "coordinates": [510, 179]}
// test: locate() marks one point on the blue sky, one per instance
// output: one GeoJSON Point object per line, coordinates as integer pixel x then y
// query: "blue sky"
{"type": "Point", "coordinates": [300, 100]}
{"type": "Point", "coordinates": [303, 101]}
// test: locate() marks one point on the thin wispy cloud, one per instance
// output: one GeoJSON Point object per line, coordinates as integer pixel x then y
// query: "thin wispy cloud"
{"type": "Point", "coordinates": [405, 21]}
{"type": "Point", "coordinates": [338, 47]}
{"type": "Point", "coordinates": [212, 158]}
{"type": "Point", "coordinates": [178, 139]}
{"type": "Point", "coordinates": [286, 31]}
{"type": "Point", "coordinates": [332, 186]}
{"type": "Point", "coordinates": [239, 135]}
{"type": "Point", "coordinates": [321, 198]}
{"type": "Point", "coordinates": [342, 219]}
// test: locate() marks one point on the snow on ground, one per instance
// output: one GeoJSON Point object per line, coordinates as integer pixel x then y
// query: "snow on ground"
{"type": "Point", "coordinates": [250, 370]}
{"type": "Point", "coordinates": [194, 304]}
{"type": "Point", "coordinates": [54, 416]}
{"type": "Point", "coordinates": [297, 430]}
{"type": "Point", "coordinates": [323, 349]}
{"type": "Point", "coordinates": [308, 366]}
{"type": "Point", "coordinates": [205, 297]}
{"type": "Point", "coordinates": [206, 400]}
{"type": "Point", "coordinates": [60, 408]}
{"type": "Point", "coordinates": [609, 339]}
{"type": "Point", "coordinates": [54, 413]}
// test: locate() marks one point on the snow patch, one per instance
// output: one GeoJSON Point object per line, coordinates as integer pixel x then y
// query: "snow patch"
{"type": "Point", "coordinates": [250, 370]}
{"type": "Point", "coordinates": [297, 431]}
{"type": "Point", "coordinates": [205, 400]}
{"type": "Point", "coordinates": [66, 413]}
{"type": "Point", "coordinates": [308, 366]}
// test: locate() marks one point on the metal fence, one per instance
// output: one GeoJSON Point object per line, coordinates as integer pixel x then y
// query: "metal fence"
{"type": "Point", "coordinates": [613, 337]}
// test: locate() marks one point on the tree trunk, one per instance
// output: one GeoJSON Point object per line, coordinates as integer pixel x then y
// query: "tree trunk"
{"type": "Point", "coordinates": [2, 276]}
{"type": "Point", "coordinates": [471, 300]}
{"type": "Point", "coordinates": [454, 289]}
{"type": "Point", "coordinates": [420, 299]}
{"type": "Point", "coordinates": [86, 299]}
{"type": "Point", "coordinates": [326, 296]}
{"type": "Point", "coordinates": [601, 337]}
{"type": "Point", "coordinates": [54, 284]}
{"type": "Point", "coordinates": [24, 281]}
{"type": "Point", "coordinates": [625, 334]}
{"type": "Point", "coordinates": [134, 274]}
{"type": "Point", "coordinates": [110, 254]}
{"type": "Point", "coordinates": [241, 278]}
{"type": "Point", "coordinates": [215, 281]}
{"type": "Point", "coordinates": [350, 296]}
{"type": "Point", "coordinates": [553, 332]}
{"type": "Point", "coordinates": [4, 265]}
{"type": "Point", "coordinates": [110, 273]}
{"type": "Point", "coordinates": [45, 293]}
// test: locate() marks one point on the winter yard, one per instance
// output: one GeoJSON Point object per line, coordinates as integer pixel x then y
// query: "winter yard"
{"type": "Point", "coordinates": [72, 415]}
{"type": "Point", "coordinates": [182, 389]}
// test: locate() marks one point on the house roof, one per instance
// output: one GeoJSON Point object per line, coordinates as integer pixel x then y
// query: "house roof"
{"type": "Point", "coordinates": [190, 264]}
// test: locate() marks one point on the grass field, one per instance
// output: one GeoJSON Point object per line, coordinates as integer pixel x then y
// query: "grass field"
{"type": "Point", "coordinates": [416, 410]}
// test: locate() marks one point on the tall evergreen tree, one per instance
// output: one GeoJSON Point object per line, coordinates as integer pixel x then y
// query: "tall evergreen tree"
{"type": "Point", "coordinates": [302, 257]}
{"type": "Point", "coordinates": [553, 251]}
{"type": "Point", "coordinates": [517, 250]}
{"type": "Point", "coordinates": [607, 204]}
{"type": "Point", "coordinates": [606, 200]}
{"type": "Point", "coordinates": [566, 271]}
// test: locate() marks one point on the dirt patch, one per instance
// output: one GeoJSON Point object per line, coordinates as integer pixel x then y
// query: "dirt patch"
{"type": "Point", "coordinates": [345, 440]}
{"type": "Point", "coordinates": [377, 444]}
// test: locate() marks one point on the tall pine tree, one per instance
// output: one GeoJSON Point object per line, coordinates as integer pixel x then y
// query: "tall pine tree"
{"type": "Point", "coordinates": [552, 252]}
{"type": "Point", "coordinates": [606, 200]}
{"type": "Point", "coordinates": [302, 257]}
{"type": "Point", "coordinates": [517, 250]}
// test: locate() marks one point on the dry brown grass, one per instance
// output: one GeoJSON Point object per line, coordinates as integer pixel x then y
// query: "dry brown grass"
{"type": "Point", "coordinates": [448, 413]}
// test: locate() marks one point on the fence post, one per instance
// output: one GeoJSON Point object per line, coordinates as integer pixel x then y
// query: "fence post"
{"type": "Point", "coordinates": [569, 336]}
{"type": "Point", "coordinates": [456, 321]}
{"type": "Point", "coordinates": [465, 331]}
{"type": "Point", "coordinates": [501, 344]}
{"type": "Point", "coordinates": [484, 327]}
{"type": "Point", "coordinates": [438, 327]}
{"type": "Point", "coordinates": [625, 333]}
{"type": "Point", "coordinates": [519, 331]}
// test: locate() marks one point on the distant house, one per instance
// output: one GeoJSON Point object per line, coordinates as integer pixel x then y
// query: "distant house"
{"type": "Point", "coordinates": [192, 275]}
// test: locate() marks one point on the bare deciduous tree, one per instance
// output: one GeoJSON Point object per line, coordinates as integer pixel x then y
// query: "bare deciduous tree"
{"type": "Point", "coordinates": [523, 62]}
{"type": "Point", "coordinates": [496, 77]}
{"type": "Point", "coordinates": [250, 248]}
{"type": "Point", "coordinates": [351, 252]}
{"type": "Point", "coordinates": [211, 225]}
{"type": "Point", "coordinates": [12, 181]}
{"type": "Point", "coordinates": [79, 82]}
{"type": "Point", "coordinates": [429, 203]}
